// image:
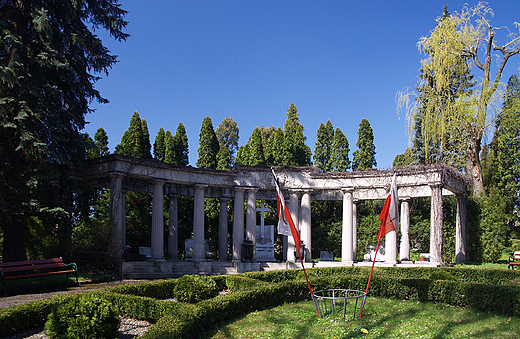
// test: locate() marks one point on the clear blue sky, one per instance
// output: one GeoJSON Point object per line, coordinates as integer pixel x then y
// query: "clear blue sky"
{"type": "Point", "coordinates": [338, 60]}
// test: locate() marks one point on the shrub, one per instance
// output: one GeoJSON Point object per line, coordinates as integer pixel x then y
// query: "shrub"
{"type": "Point", "coordinates": [84, 316]}
{"type": "Point", "coordinates": [194, 288]}
{"type": "Point", "coordinates": [442, 275]}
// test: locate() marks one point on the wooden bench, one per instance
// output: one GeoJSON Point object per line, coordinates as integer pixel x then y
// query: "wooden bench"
{"type": "Point", "coordinates": [513, 261]}
{"type": "Point", "coordinates": [36, 268]}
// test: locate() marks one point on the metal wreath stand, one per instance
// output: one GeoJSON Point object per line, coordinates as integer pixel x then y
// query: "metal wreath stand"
{"type": "Point", "coordinates": [329, 302]}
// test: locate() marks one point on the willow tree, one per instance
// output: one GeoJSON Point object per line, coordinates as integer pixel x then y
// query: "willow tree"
{"type": "Point", "coordinates": [460, 40]}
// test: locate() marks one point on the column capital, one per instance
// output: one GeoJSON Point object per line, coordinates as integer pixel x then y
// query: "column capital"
{"type": "Point", "coordinates": [437, 185]}
{"type": "Point", "coordinates": [158, 182]}
{"type": "Point", "coordinates": [348, 189]}
{"type": "Point", "coordinates": [116, 175]}
{"type": "Point", "coordinates": [405, 198]}
{"type": "Point", "coordinates": [224, 199]}
{"type": "Point", "coordinates": [239, 188]}
{"type": "Point", "coordinates": [201, 186]}
{"type": "Point", "coordinates": [251, 189]}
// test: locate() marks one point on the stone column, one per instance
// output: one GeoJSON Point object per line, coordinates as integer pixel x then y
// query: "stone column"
{"type": "Point", "coordinates": [223, 230]}
{"type": "Point", "coordinates": [436, 220]}
{"type": "Point", "coordinates": [251, 218]}
{"type": "Point", "coordinates": [347, 230]}
{"type": "Point", "coordinates": [461, 229]}
{"type": "Point", "coordinates": [173, 228]}
{"type": "Point", "coordinates": [198, 223]}
{"type": "Point", "coordinates": [238, 223]}
{"type": "Point", "coordinates": [117, 213]}
{"type": "Point", "coordinates": [157, 221]}
{"type": "Point", "coordinates": [305, 223]}
{"type": "Point", "coordinates": [294, 209]}
{"type": "Point", "coordinates": [354, 228]}
{"type": "Point", "coordinates": [391, 247]}
{"type": "Point", "coordinates": [404, 248]}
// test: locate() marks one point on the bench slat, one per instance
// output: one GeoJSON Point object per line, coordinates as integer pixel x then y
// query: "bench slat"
{"type": "Point", "coordinates": [33, 267]}
{"type": "Point", "coordinates": [38, 274]}
{"type": "Point", "coordinates": [30, 262]}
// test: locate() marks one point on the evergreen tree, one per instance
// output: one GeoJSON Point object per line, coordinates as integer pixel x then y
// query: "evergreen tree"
{"type": "Point", "coordinates": [101, 142]}
{"type": "Point", "coordinates": [159, 146]}
{"type": "Point", "coordinates": [294, 151]}
{"type": "Point", "coordinates": [180, 142]}
{"type": "Point", "coordinates": [243, 155]}
{"type": "Point", "coordinates": [169, 148]}
{"type": "Point", "coordinates": [339, 160]}
{"type": "Point", "coordinates": [227, 136]}
{"type": "Point", "coordinates": [365, 156]}
{"type": "Point", "coordinates": [208, 145]}
{"type": "Point", "coordinates": [274, 150]}
{"type": "Point", "coordinates": [403, 160]}
{"type": "Point", "coordinates": [323, 149]}
{"type": "Point", "coordinates": [223, 159]}
{"type": "Point", "coordinates": [147, 147]}
{"type": "Point", "coordinates": [49, 61]}
{"type": "Point", "coordinates": [256, 151]}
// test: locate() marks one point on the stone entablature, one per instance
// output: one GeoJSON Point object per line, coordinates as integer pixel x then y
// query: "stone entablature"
{"type": "Point", "coordinates": [301, 185]}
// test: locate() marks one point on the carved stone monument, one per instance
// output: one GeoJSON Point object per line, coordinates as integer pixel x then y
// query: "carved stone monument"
{"type": "Point", "coordinates": [264, 238]}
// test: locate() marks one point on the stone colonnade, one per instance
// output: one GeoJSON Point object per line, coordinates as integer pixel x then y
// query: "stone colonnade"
{"type": "Point", "coordinates": [300, 185]}
{"type": "Point", "coordinates": [300, 209]}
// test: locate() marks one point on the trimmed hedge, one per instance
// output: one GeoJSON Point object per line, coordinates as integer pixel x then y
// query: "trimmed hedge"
{"type": "Point", "coordinates": [487, 290]}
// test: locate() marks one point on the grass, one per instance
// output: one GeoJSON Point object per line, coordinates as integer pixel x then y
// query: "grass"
{"type": "Point", "coordinates": [382, 318]}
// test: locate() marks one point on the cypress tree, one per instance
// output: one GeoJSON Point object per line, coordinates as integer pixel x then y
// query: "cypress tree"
{"type": "Point", "coordinates": [147, 147]}
{"type": "Point", "coordinates": [365, 156]}
{"type": "Point", "coordinates": [169, 148]}
{"type": "Point", "coordinates": [180, 142]}
{"type": "Point", "coordinates": [159, 146]}
{"type": "Point", "coordinates": [227, 136]}
{"type": "Point", "coordinates": [256, 151]}
{"type": "Point", "coordinates": [323, 149]}
{"type": "Point", "coordinates": [339, 159]}
{"type": "Point", "coordinates": [208, 145]}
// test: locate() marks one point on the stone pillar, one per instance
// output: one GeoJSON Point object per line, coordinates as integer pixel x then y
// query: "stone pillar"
{"type": "Point", "coordinates": [305, 223]}
{"type": "Point", "coordinates": [436, 219]}
{"type": "Point", "coordinates": [173, 228]}
{"type": "Point", "coordinates": [117, 213]}
{"type": "Point", "coordinates": [251, 218]}
{"type": "Point", "coordinates": [354, 228]}
{"type": "Point", "coordinates": [294, 209]}
{"type": "Point", "coordinates": [391, 247]}
{"type": "Point", "coordinates": [198, 223]}
{"type": "Point", "coordinates": [347, 230]}
{"type": "Point", "coordinates": [238, 223]}
{"type": "Point", "coordinates": [157, 221]}
{"type": "Point", "coordinates": [461, 229]}
{"type": "Point", "coordinates": [124, 220]}
{"type": "Point", "coordinates": [223, 230]}
{"type": "Point", "coordinates": [404, 248]}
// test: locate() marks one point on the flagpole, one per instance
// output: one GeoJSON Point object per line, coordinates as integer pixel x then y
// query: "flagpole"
{"type": "Point", "coordinates": [372, 270]}
{"type": "Point", "coordinates": [293, 229]}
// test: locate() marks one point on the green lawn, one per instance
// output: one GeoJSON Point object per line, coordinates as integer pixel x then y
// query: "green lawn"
{"type": "Point", "coordinates": [382, 318]}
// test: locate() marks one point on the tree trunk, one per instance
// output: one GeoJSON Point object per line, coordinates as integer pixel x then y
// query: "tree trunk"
{"type": "Point", "coordinates": [473, 168]}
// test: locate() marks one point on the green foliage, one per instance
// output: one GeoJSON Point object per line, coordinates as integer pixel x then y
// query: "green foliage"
{"type": "Point", "coordinates": [256, 151]}
{"type": "Point", "coordinates": [442, 275]}
{"type": "Point", "coordinates": [239, 283]}
{"type": "Point", "coordinates": [136, 139]}
{"type": "Point", "coordinates": [83, 316]}
{"type": "Point", "coordinates": [208, 145]}
{"type": "Point", "coordinates": [403, 160]}
{"type": "Point", "coordinates": [365, 155]}
{"type": "Point", "coordinates": [294, 151]}
{"type": "Point", "coordinates": [159, 146]}
{"type": "Point", "coordinates": [180, 146]}
{"type": "Point", "coordinates": [169, 148]}
{"type": "Point", "coordinates": [227, 135]}
{"type": "Point", "coordinates": [194, 288]}
{"type": "Point", "coordinates": [91, 234]}
{"type": "Point", "coordinates": [494, 225]}
{"type": "Point", "coordinates": [147, 152]}
{"type": "Point", "coordinates": [323, 148]}
{"type": "Point", "coordinates": [274, 153]}
{"type": "Point", "coordinates": [339, 160]}
{"type": "Point", "coordinates": [49, 65]}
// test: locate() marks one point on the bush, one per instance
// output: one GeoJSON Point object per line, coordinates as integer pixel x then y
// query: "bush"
{"type": "Point", "coordinates": [195, 288]}
{"type": "Point", "coordinates": [442, 275]}
{"type": "Point", "coordinates": [84, 316]}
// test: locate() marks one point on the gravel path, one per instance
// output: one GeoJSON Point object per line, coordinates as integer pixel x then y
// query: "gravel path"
{"type": "Point", "coordinates": [129, 328]}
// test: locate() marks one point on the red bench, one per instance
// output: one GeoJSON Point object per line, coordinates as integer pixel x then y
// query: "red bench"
{"type": "Point", "coordinates": [513, 261]}
{"type": "Point", "coordinates": [36, 268]}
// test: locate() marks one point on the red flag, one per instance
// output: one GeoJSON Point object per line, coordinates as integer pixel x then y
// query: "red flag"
{"type": "Point", "coordinates": [389, 216]}
{"type": "Point", "coordinates": [285, 217]}
{"type": "Point", "coordinates": [389, 220]}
